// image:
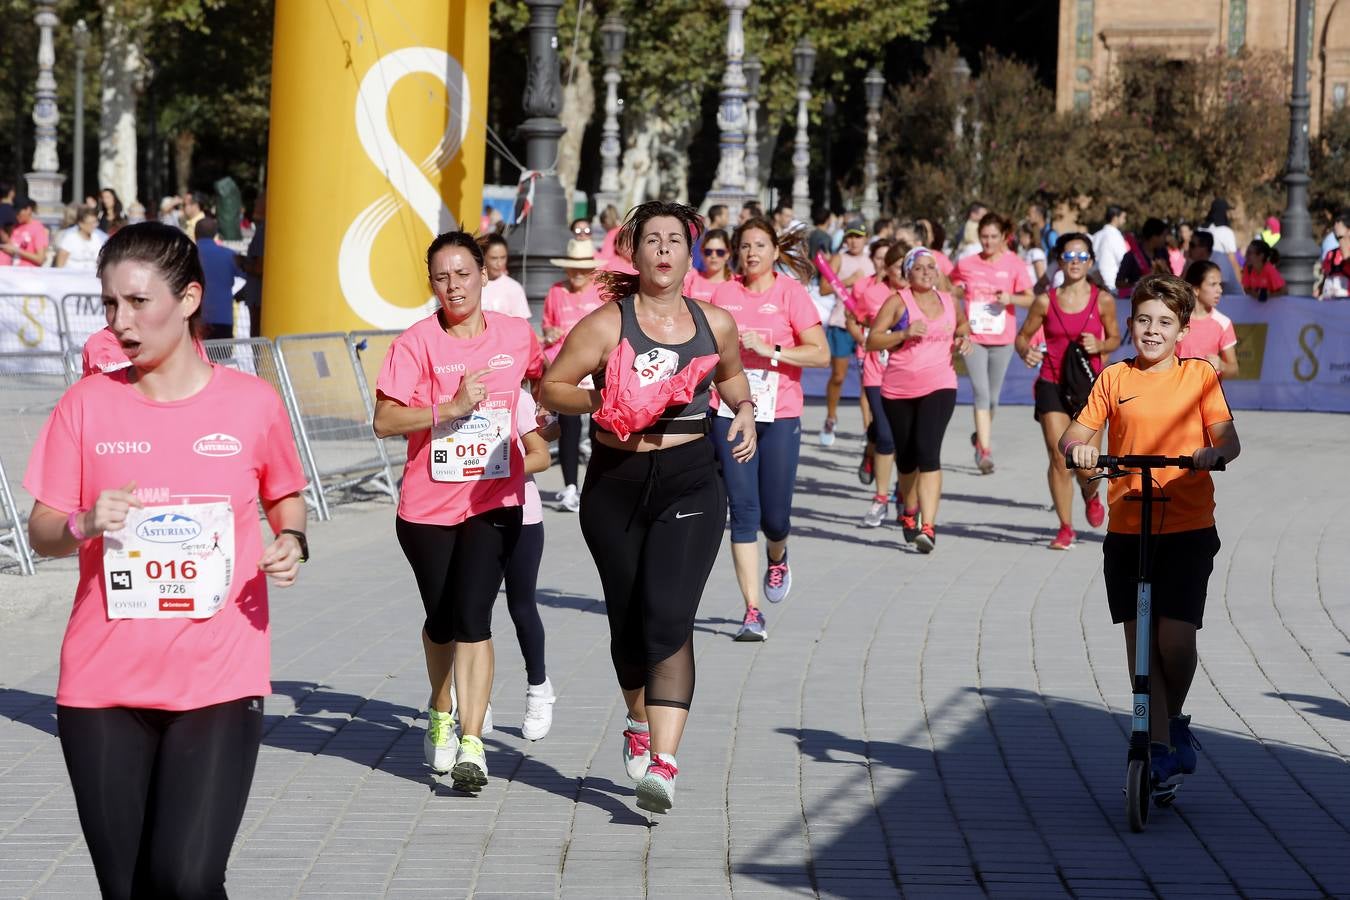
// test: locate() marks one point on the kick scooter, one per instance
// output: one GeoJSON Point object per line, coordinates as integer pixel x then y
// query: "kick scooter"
{"type": "Point", "coordinates": [1139, 787]}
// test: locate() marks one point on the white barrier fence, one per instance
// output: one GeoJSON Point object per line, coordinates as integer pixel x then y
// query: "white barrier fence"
{"type": "Point", "coordinates": [326, 382]}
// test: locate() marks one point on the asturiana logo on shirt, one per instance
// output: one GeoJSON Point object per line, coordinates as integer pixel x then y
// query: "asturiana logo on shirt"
{"type": "Point", "coordinates": [217, 445]}
{"type": "Point", "coordinates": [119, 448]}
{"type": "Point", "coordinates": [768, 309]}
{"type": "Point", "coordinates": [501, 361]}
{"type": "Point", "coordinates": [168, 528]}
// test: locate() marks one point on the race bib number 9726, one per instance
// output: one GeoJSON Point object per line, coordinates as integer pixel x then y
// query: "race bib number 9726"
{"type": "Point", "coordinates": [170, 562]}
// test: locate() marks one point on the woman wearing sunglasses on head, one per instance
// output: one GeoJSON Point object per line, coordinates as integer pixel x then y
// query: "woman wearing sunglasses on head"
{"type": "Point", "coordinates": [1077, 312]}
{"type": "Point", "coordinates": [716, 254]}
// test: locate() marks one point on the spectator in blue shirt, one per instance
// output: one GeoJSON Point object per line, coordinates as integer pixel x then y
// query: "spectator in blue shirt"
{"type": "Point", "coordinates": [221, 270]}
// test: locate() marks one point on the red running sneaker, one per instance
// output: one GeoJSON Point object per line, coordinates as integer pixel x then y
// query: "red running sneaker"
{"type": "Point", "coordinates": [1063, 540]}
{"type": "Point", "coordinates": [1096, 513]}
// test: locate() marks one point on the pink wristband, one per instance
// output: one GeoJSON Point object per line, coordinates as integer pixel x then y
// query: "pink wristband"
{"type": "Point", "coordinates": [1068, 451]}
{"type": "Point", "coordinates": [435, 415]}
{"type": "Point", "coordinates": [72, 525]}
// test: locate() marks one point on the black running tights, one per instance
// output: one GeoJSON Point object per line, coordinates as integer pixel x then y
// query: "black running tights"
{"type": "Point", "coordinates": [160, 794]}
{"type": "Point", "coordinates": [522, 576]}
{"type": "Point", "coordinates": [653, 522]}
{"type": "Point", "coordinates": [569, 447]}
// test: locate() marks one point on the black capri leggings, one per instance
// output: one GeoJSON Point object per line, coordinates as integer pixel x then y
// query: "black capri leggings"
{"type": "Point", "coordinates": [918, 424]}
{"type": "Point", "coordinates": [653, 522]}
{"type": "Point", "coordinates": [459, 570]}
{"type": "Point", "coordinates": [522, 577]}
{"type": "Point", "coordinates": [160, 794]}
{"type": "Point", "coordinates": [569, 447]}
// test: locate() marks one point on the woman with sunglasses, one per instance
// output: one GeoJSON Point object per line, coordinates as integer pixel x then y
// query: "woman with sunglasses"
{"type": "Point", "coordinates": [716, 254]}
{"type": "Point", "coordinates": [1077, 312]}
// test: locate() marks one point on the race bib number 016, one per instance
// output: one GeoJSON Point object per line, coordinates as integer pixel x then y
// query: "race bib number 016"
{"type": "Point", "coordinates": [170, 562]}
{"type": "Point", "coordinates": [476, 446]}
{"type": "Point", "coordinates": [763, 390]}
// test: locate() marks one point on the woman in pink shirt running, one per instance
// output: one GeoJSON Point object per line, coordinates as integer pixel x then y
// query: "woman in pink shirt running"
{"type": "Point", "coordinates": [918, 387]}
{"type": "Point", "coordinates": [451, 384]}
{"type": "Point", "coordinates": [992, 284]}
{"type": "Point", "coordinates": [716, 266]}
{"type": "Point", "coordinates": [1077, 312]}
{"type": "Point", "coordinates": [154, 474]}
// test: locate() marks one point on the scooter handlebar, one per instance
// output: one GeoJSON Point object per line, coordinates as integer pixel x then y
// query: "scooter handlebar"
{"type": "Point", "coordinates": [1148, 462]}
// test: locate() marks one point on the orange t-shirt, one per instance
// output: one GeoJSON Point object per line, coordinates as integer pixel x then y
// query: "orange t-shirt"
{"type": "Point", "coordinates": [1164, 413]}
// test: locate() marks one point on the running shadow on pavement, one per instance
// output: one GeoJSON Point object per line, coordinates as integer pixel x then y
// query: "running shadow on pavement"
{"type": "Point", "coordinates": [1023, 795]}
{"type": "Point", "coordinates": [1318, 706]}
{"type": "Point", "coordinates": [37, 711]}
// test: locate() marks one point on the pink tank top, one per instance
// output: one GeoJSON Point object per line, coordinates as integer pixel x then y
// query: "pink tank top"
{"type": "Point", "coordinates": [923, 364]}
{"type": "Point", "coordinates": [1062, 329]}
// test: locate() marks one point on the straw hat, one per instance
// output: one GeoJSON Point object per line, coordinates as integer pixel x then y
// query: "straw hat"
{"type": "Point", "coordinates": [580, 255]}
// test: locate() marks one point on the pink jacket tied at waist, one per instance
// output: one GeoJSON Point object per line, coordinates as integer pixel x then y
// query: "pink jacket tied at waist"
{"type": "Point", "coordinates": [627, 406]}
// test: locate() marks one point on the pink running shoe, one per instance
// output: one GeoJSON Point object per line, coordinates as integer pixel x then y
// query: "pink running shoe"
{"type": "Point", "coordinates": [1096, 513]}
{"type": "Point", "coordinates": [1063, 540]}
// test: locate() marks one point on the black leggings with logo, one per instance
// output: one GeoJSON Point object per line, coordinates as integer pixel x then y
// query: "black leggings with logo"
{"type": "Point", "coordinates": [653, 522]}
{"type": "Point", "coordinates": [161, 793]}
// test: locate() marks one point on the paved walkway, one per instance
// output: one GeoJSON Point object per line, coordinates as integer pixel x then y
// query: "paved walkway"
{"type": "Point", "coordinates": [948, 725]}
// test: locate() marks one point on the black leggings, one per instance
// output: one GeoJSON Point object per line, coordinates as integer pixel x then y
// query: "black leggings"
{"type": "Point", "coordinates": [522, 575]}
{"type": "Point", "coordinates": [653, 522]}
{"type": "Point", "coordinates": [160, 794]}
{"type": "Point", "coordinates": [459, 570]}
{"type": "Point", "coordinates": [918, 425]}
{"type": "Point", "coordinates": [569, 447]}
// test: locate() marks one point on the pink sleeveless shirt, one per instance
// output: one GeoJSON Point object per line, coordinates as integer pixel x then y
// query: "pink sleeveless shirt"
{"type": "Point", "coordinates": [923, 364]}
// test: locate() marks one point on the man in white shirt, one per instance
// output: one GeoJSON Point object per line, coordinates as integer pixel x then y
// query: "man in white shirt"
{"type": "Point", "coordinates": [1108, 244]}
{"type": "Point", "coordinates": [502, 293]}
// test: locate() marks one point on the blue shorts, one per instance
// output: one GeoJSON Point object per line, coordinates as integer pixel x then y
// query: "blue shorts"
{"type": "Point", "coordinates": [841, 342]}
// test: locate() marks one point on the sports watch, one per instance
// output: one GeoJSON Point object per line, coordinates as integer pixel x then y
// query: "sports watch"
{"type": "Point", "coordinates": [300, 538]}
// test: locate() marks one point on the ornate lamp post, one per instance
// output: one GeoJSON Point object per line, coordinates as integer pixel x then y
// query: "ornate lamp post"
{"type": "Point", "coordinates": [543, 232]}
{"type": "Point", "coordinates": [1298, 250]}
{"type": "Point", "coordinates": [753, 69]}
{"type": "Point", "coordinates": [827, 114]}
{"type": "Point", "coordinates": [729, 185]}
{"type": "Point", "coordinates": [874, 85]}
{"type": "Point", "coordinates": [44, 182]}
{"type": "Point", "coordinates": [612, 35]}
{"type": "Point", "coordinates": [804, 62]}
{"type": "Point", "coordinates": [961, 76]}
{"type": "Point", "coordinates": [81, 34]}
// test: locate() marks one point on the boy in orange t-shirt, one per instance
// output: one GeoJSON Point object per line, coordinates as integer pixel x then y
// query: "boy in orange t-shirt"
{"type": "Point", "coordinates": [1159, 404]}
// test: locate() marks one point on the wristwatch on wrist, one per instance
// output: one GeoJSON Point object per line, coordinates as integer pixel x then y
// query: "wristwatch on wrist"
{"type": "Point", "coordinates": [300, 539]}
{"type": "Point", "coordinates": [777, 354]}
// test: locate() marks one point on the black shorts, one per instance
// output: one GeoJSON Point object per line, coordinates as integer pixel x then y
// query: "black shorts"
{"type": "Point", "coordinates": [1180, 563]}
{"type": "Point", "coordinates": [1047, 399]}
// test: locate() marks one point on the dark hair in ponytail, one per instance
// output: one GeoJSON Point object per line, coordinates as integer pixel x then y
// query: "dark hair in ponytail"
{"type": "Point", "coordinates": [617, 285]}
{"type": "Point", "coordinates": [459, 238]}
{"type": "Point", "coordinates": [165, 248]}
{"type": "Point", "coordinates": [791, 246]}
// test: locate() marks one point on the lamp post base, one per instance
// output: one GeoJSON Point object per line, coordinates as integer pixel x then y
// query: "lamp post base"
{"type": "Point", "coordinates": [45, 188]}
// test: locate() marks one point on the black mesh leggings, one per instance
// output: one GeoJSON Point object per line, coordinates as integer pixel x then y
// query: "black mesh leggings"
{"type": "Point", "coordinates": [160, 794]}
{"type": "Point", "coordinates": [654, 522]}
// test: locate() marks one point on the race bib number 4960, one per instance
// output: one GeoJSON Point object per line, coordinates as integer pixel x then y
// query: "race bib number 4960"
{"type": "Point", "coordinates": [170, 562]}
{"type": "Point", "coordinates": [476, 446]}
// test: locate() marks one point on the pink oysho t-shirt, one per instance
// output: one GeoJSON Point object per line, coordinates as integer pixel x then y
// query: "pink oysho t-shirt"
{"type": "Point", "coordinates": [944, 262]}
{"type": "Point", "coordinates": [697, 287]}
{"type": "Point", "coordinates": [505, 295]}
{"type": "Point", "coordinates": [1208, 336]}
{"type": "Point", "coordinates": [982, 280]}
{"type": "Point", "coordinates": [869, 304]}
{"type": "Point", "coordinates": [563, 309]}
{"type": "Point", "coordinates": [609, 256]}
{"type": "Point", "coordinates": [31, 237]}
{"type": "Point", "coordinates": [103, 353]}
{"type": "Point", "coordinates": [104, 433]}
{"type": "Point", "coordinates": [923, 364]}
{"type": "Point", "coordinates": [424, 367]}
{"type": "Point", "coordinates": [778, 316]}
{"type": "Point", "coordinates": [533, 508]}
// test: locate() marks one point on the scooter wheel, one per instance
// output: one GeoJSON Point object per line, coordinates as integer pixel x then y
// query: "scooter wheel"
{"type": "Point", "coordinates": [1137, 794]}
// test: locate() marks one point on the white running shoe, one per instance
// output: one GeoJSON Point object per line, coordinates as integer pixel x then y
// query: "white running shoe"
{"type": "Point", "coordinates": [569, 499]}
{"type": "Point", "coordinates": [470, 771]}
{"type": "Point", "coordinates": [637, 750]}
{"type": "Point", "coordinates": [539, 699]}
{"type": "Point", "coordinates": [827, 433]}
{"type": "Point", "coordinates": [439, 744]}
{"type": "Point", "coordinates": [876, 513]}
{"type": "Point", "coordinates": [454, 711]}
{"type": "Point", "coordinates": [656, 790]}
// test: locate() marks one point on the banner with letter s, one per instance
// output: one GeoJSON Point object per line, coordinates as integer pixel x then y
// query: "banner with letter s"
{"type": "Point", "coordinates": [377, 145]}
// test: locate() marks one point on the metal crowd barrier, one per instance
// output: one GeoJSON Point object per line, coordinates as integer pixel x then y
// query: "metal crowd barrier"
{"type": "Point", "coordinates": [31, 318]}
{"type": "Point", "coordinates": [371, 347]}
{"type": "Point", "coordinates": [258, 356]}
{"type": "Point", "coordinates": [13, 534]}
{"type": "Point", "coordinates": [30, 386]}
{"type": "Point", "coordinates": [81, 316]}
{"type": "Point", "coordinates": [333, 404]}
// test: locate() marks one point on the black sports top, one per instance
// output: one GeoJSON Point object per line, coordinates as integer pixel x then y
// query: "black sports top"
{"type": "Point", "coordinates": [692, 417]}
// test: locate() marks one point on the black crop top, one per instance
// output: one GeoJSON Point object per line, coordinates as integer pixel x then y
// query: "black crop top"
{"type": "Point", "coordinates": [692, 417]}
